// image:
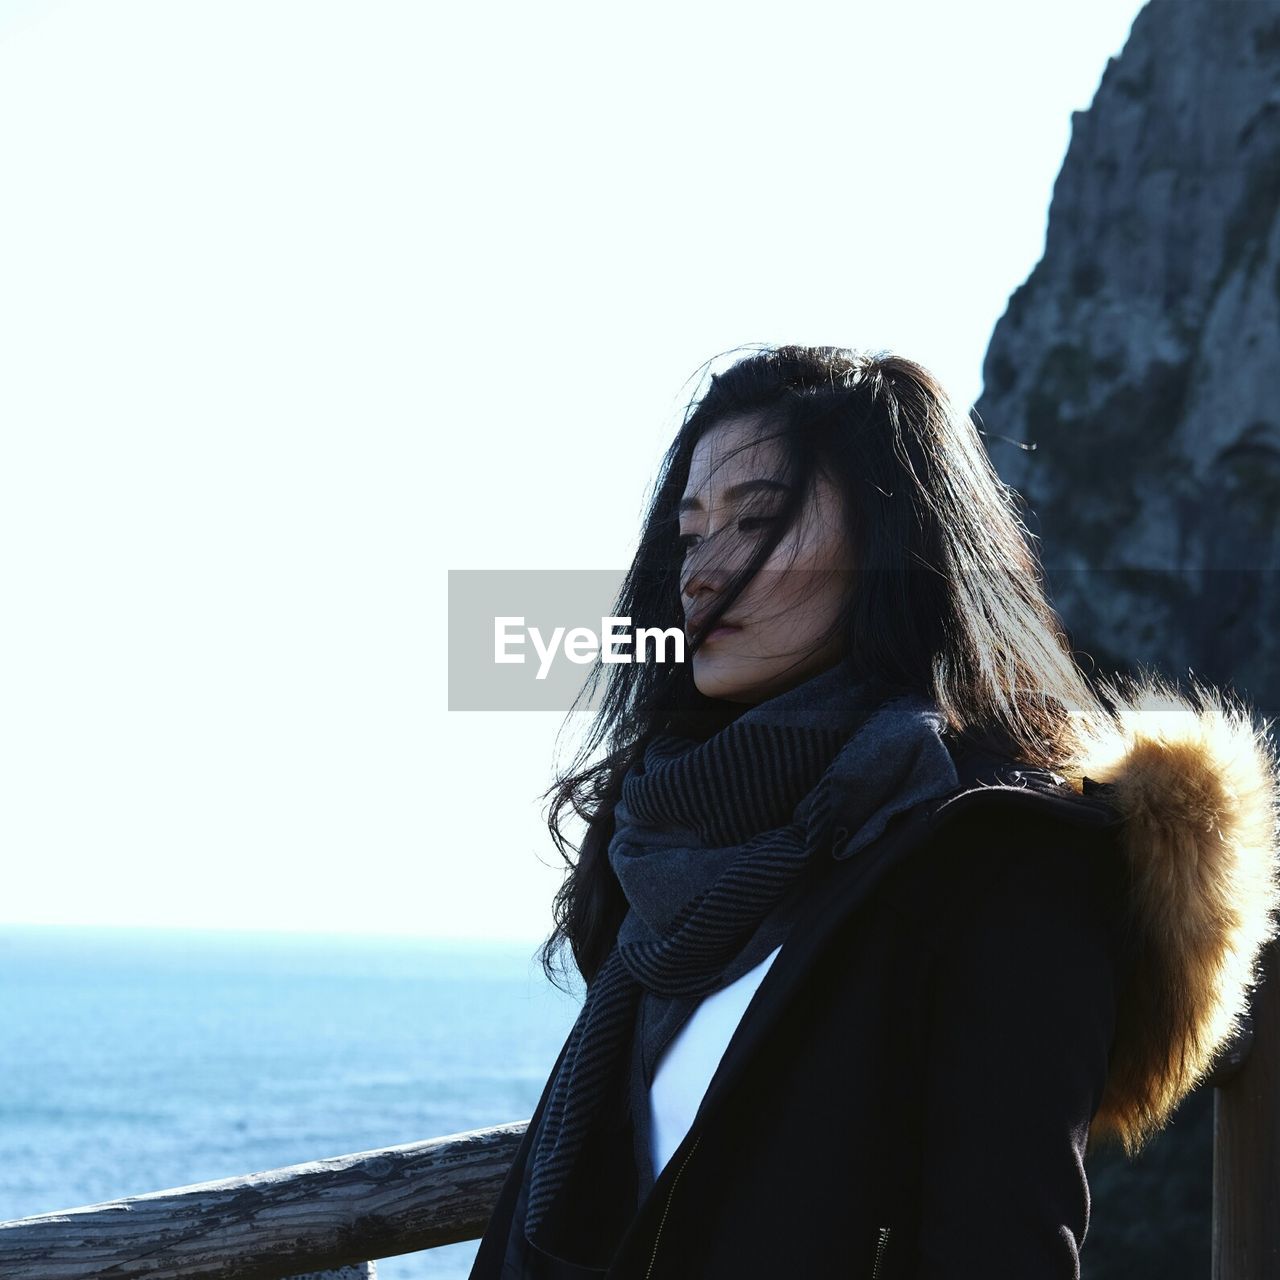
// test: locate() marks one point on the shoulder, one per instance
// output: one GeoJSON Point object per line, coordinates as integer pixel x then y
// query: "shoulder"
{"type": "Point", "coordinates": [1021, 923]}
{"type": "Point", "coordinates": [1013, 849]}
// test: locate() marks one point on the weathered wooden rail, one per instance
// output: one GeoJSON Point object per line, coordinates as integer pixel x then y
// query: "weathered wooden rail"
{"type": "Point", "coordinates": [1246, 1146]}
{"type": "Point", "coordinates": [336, 1217]}
{"type": "Point", "coordinates": [321, 1216]}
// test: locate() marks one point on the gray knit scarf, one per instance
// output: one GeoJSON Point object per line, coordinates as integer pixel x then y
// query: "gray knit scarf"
{"type": "Point", "coordinates": [711, 839]}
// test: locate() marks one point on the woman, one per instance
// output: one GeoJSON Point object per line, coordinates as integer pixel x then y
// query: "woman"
{"type": "Point", "coordinates": [885, 914]}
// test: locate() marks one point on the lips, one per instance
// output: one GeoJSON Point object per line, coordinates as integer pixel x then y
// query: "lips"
{"type": "Point", "coordinates": [696, 620]}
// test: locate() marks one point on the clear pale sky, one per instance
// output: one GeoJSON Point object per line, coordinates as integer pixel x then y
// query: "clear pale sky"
{"type": "Point", "coordinates": [304, 304]}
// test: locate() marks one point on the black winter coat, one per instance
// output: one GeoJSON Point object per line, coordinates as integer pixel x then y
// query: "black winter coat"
{"type": "Point", "coordinates": [962, 1007]}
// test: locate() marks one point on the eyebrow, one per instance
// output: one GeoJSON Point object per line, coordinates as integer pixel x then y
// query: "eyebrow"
{"type": "Point", "coordinates": [735, 491]}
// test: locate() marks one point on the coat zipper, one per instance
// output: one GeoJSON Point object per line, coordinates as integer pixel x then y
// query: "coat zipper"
{"type": "Point", "coordinates": [880, 1247]}
{"type": "Point", "coordinates": [670, 1192]}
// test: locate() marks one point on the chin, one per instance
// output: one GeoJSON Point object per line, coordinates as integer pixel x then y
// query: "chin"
{"type": "Point", "coordinates": [717, 677]}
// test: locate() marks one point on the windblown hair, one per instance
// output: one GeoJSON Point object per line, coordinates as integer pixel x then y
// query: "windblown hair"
{"type": "Point", "coordinates": [948, 597]}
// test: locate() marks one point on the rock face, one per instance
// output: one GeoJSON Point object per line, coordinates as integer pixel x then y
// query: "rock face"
{"type": "Point", "coordinates": [1141, 358]}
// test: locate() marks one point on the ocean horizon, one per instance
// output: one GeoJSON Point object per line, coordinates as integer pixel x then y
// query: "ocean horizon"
{"type": "Point", "coordinates": [139, 1059]}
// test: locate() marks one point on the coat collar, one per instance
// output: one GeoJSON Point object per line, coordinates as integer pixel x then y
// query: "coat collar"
{"type": "Point", "coordinates": [1195, 783]}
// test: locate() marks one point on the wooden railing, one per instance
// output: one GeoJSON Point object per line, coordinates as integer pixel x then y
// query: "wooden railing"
{"type": "Point", "coordinates": [334, 1216]}
{"type": "Point", "coordinates": [1246, 1146]}
{"type": "Point", "coordinates": [338, 1216]}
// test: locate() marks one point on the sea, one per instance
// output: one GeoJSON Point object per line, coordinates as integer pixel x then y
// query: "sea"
{"type": "Point", "coordinates": [140, 1059]}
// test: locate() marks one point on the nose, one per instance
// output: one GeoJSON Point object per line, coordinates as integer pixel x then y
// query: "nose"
{"type": "Point", "coordinates": [701, 581]}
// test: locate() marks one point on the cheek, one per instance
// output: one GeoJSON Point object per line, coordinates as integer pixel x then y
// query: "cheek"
{"type": "Point", "coordinates": [799, 559]}
{"type": "Point", "coordinates": [807, 575]}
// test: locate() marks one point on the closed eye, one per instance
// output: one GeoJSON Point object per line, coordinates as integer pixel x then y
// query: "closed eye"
{"type": "Point", "coordinates": [746, 522]}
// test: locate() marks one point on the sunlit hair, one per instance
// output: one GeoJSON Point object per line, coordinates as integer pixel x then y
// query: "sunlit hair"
{"type": "Point", "coordinates": [946, 598]}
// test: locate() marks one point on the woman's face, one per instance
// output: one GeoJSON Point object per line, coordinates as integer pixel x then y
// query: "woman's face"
{"type": "Point", "coordinates": [773, 636]}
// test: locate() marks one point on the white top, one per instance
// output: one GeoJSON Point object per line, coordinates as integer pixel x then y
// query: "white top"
{"type": "Point", "coordinates": [687, 1064]}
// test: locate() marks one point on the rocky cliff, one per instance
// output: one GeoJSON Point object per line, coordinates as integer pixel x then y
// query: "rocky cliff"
{"type": "Point", "coordinates": [1141, 358]}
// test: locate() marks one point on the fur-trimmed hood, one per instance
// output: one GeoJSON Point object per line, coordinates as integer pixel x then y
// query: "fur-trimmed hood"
{"type": "Point", "coordinates": [1196, 785]}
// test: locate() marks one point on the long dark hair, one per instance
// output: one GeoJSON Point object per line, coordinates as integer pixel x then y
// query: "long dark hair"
{"type": "Point", "coordinates": [949, 597]}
